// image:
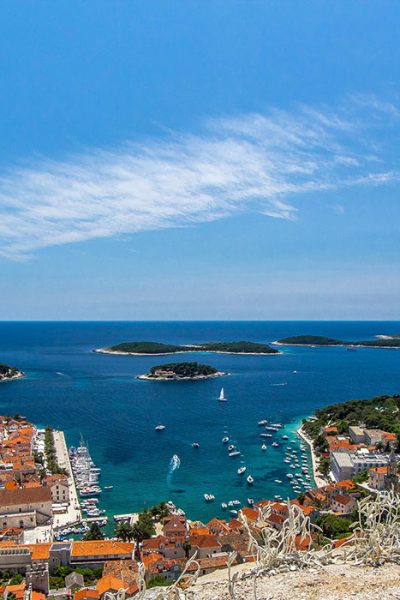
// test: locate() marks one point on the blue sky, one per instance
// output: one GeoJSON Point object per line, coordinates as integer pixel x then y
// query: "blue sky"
{"type": "Point", "coordinates": [209, 159]}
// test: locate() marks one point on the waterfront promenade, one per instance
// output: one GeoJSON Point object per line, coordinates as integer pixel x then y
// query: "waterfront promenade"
{"type": "Point", "coordinates": [73, 513]}
{"type": "Point", "coordinates": [318, 477]}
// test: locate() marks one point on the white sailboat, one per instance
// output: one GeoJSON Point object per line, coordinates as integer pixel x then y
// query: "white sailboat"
{"type": "Point", "coordinates": [221, 397]}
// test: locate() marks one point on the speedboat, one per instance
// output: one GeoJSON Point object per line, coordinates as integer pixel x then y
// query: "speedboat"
{"type": "Point", "coordinates": [231, 447]}
{"type": "Point", "coordinates": [250, 501]}
{"type": "Point", "coordinates": [265, 435]}
{"type": "Point", "coordinates": [234, 513]}
{"type": "Point", "coordinates": [285, 437]}
{"type": "Point", "coordinates": [241, 470]}
{"type": "Point", "coordinates": [234, 453]}
{"type": "Point", "coordinates": [277, 481]}
{"type": "Point", "coordinates": [275, 444]}
{"type": "Point", "coordinates": [195, 445]}
{"type": "Point", "coordinates": [159, 427]}
{"type": "Point", "coordinates": [250, 480]}
{"type": "Point", "coordinates": [209, 497]}
{"type": "Point", "coordinates": [225, 440]}
{"type": "Point", "coordinates": [289, 475]}
{"type": "Point", "coordinates": [224, 506]}
{"type": "Point", "coordinates": [263, 447]}
{"type": "Point", "coordinates": [263, 422]}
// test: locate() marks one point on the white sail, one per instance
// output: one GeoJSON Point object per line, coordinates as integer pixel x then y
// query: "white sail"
{"type": "Point", "coordinates": [221, 395]}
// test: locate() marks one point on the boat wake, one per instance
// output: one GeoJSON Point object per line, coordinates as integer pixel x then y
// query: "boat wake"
{"type": "Point", "coordinates": [174, 464]}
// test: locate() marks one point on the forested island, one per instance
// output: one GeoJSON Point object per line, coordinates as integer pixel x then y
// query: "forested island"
{"type": "Point", "coordinates": [181, 371]}
{"type": "Point", "coordinates": [7, 372]}
{"type": "Point", "coordinates": [158, 348]}
{"type": "Point", "coordinates": [319, 340]}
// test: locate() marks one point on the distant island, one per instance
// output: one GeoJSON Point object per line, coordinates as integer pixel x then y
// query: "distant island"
{"type": "Point", "coordinates": [181, 371]}
{"type": "Point", "coordinates": [319, 340]}
{"type": "Point", "coordinates": [157, 348]}
{"type": "Point", "coordinates": [7, 373]}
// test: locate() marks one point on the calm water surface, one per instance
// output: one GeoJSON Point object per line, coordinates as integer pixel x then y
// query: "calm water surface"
{"type": "Point", "coordinates": [70, 387]}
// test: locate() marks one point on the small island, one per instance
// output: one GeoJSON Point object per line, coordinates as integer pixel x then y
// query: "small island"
{"type": "Point", "coordinates": [181, 372]}
{"type": "Point", "coordinates": [7, 373]}
{"type": "Point", "coordinates": [319, 340]}
{"type": "Point", "coordinates": [158, 348]}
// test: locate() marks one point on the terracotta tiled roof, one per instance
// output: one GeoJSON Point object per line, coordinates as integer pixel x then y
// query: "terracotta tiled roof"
{"type": "Point", "coordinates": [25, 496]}
{"type": "Point", "coordinates": [250, 513]}
{"type": "Point", "coordinates": [151, 558]}
{"type": "Point", "coordinates": [110, 583]}
{"type": "Point", "coordinates": [86, 593]}
{"type": "Point", "coordinates": [204, 541]}
{"type": "Point", "coordinates": [381, 470]}
{"type": "Point", "coordinates": [101, 548]}
{"type": "Point", "coordinates": [39, 551]}
{"type": "Point", "coordinates": [340, 499]}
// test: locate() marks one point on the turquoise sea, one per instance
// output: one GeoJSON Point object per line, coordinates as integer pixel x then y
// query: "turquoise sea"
{"type": "Point", "coordinates": [70, 387]}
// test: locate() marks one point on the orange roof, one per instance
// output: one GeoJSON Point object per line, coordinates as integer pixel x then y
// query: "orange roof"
{"type": "Point", "coordinates": [235, 524]}
{"type": "Point", "coordinates": [37, 596]}
{"type": "Point", "coordinates": [199, 531]}
{"type": "Point", "coordinates": [217, 525]}
{"type": "Point", "coordinates": [86, 593]}
{"type": "Point", "coordinates": [39, 551]}
{"type": "Point", "coordinates": [390, 436]}
{"type": "Point", "coordinates": [250, 513]}
{"type": "Point", "coordinates": [342, 499]}
{"type": "Point", "coordinates": [154, 543]}
{"type": "Point", "coordinates": [110, 583]}
{"type": "Point", "coordinates": [204, 541]}
{"type": "Point", "coordinates": [11, 485]}
{"type": "Point", "coordinates": [382, 470]}
{"type": "Point", "coordinates": [7, 543]}
{"type": "Point", "coordinates": [101, 547]}
{"type": "Point", "coordinates": [149, 559]}
{"type": "Point", "coordinates": [17, 590]}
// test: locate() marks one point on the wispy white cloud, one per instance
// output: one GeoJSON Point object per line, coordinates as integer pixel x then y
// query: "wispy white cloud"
{"type": "Point", "coordinates": [247, 163]}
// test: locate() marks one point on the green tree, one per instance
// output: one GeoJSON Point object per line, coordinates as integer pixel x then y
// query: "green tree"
{"type": "Point", "coordinates": [361, 477]}
{"type": "Point", "coordinates": [124, 531]}
{"type": "Point", "coordinates": [94, 533]}
{"type": "Point", "coordinates": [156, 581]}
{"type": "Point", "coordinates": [16, 579]}
{"type": "Point", "coordinates": [187, 547]}
{"type": "Point", "coordinates": [333, 526]}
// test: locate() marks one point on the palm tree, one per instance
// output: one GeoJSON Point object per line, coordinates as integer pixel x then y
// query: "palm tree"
{"type": "Point", "coordinates": [124, 531]}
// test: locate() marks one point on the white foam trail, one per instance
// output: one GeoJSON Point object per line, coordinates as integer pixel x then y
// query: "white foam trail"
{"type": "Point", "coordinates": [174, 464]}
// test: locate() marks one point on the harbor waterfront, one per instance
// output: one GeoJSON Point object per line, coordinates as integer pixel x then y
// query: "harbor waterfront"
{"type": "Point", "coordinates": [98, 396]}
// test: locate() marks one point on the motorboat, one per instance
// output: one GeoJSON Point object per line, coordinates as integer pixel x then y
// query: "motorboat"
{"type": "Point", "coordinates": [209, 497]}
{"type": "Point", "coordinates": [159, 427]}
{"type": "Point", "coordinates": [241, 470]}
{"type": "Point", "coordinates": [250, 480]}
{"type": "Point", "coordinates": [224, 506]}
{"type": "Point", "coordinates": [250, 501]}
{"type": "Point", "coordinates": [225, 440]}
{"type": "Point", "coordinates": [264, 447]}
{"type": "Point", "coordinates": [275, 444]}
{"type": "Point", "coordinates": [234, 453]}
{"type": "Point", "coordinates": [277, 480]}
{"type": "Point", "coordinates": [195, 445]}
{"type": "Point", "coordinates": [262, 423]}
{"type": "Point", "coordinates": [231, 447]}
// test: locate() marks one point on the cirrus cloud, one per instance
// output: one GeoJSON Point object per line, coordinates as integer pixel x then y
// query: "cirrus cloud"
{"type": "Point", "coordinates": [256, 162]}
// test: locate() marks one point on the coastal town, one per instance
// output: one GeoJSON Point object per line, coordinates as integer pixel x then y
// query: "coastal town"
{"type": "Point", "coordinates": [51, 538]}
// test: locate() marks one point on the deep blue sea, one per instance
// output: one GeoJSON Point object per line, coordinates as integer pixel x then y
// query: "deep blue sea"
{"type": "Point", "coordinates": [70, 387]}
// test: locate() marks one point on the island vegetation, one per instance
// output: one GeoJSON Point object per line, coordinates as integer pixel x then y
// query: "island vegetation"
{"type": "Point", "coordinates": [155, 348]}
{"type": "Point", "coordinates": [380, 412]}
{"type": "Point", "coordinates": [7, 372]}
{"type": "Point", "coordinates": [179, 371]}
{"type": "Point", "coordinates": [320, 340]}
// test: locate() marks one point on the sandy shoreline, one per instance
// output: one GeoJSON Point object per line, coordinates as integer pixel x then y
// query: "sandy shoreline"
{"type": "Point", "coordinates": [146, 377]}
{"type": "Point", "coordinates": [319, 479]}
{"type": "Point", "coordinates": [105, 351]}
